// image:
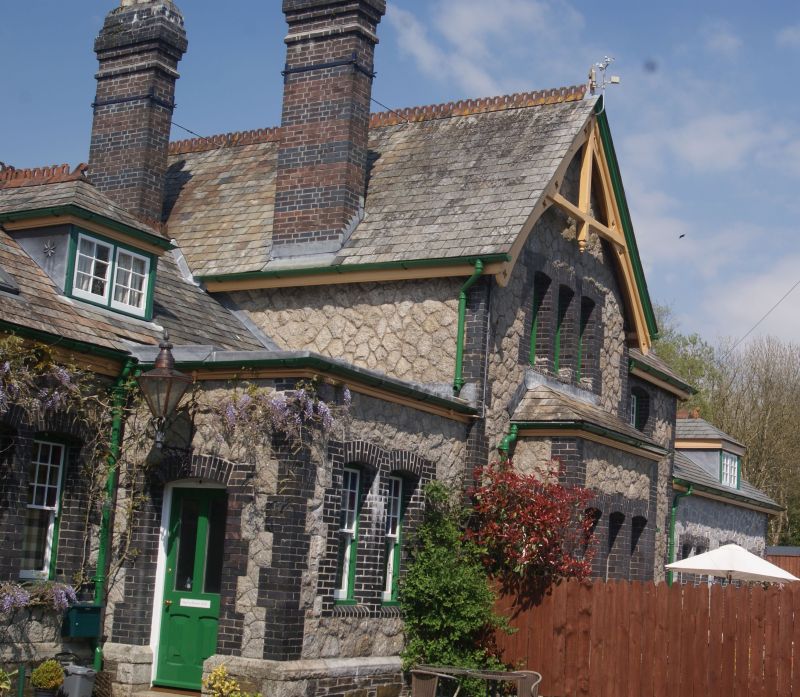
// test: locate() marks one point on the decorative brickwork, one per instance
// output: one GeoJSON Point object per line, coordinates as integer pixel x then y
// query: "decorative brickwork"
{"type": "Point", "coordinates": [11, 177]}
{"type": "Point", "coordinates": [138, 50]}
{"type": "Point", "coordinates": [322, 155]}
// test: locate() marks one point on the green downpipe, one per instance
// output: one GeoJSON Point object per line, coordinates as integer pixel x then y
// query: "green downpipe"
{"type": "Point", "coordinates": [678, 496]}
{"type": "Point", "coordinates": [458, 381]}
{"type": "Point", "coordinates": [100, 578]}
{"type": "Point", "coordinates": [508, 440]}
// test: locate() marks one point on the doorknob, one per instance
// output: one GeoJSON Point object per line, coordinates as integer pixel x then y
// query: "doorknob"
{"type": "Point", "coordinates": [167, 603]}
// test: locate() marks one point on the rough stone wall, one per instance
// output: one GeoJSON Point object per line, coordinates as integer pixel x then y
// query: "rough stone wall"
{"type": "Point", "coordinates": [533, 456]}
{"type": "Point", "coordinates": [717, 523]}
{"type": "Point", "coordinates": [552, 249]}
{"type": "Point", "coordinates": [663, 407]}
{"type": "Point", "coordinates": [405, 329]}
{"type": "Point", "coordinates": [612, 471]}
{"type": "Point", "coordinates": [33, 636]}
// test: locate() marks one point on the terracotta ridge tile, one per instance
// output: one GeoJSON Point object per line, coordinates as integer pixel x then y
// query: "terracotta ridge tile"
{"type": "Point", "coordinates": [464, 107]}
{"type": "Point", "coordinates": [467, 107]}
{"type": "Point", "coordinates": [11, 177]}
{"type": "Point", "coordinates": [225, 140]}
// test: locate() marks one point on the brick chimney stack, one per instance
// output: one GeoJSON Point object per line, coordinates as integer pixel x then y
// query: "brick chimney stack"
{"type": "Point", "coordinates": [138, 49]}
{"type": "Point", "coordinates": [322, 156]}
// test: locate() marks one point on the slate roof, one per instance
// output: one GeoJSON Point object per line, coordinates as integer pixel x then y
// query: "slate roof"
{"type": "Point", "coordinates": [190, 314]}
{"type": "Point", "coordinates": [444, 182]}
{"type": "Point", "coordinates": [651, 360]}
{"type": "Point", "coordinates": [544, 405]}
{"type": "Point", "coordinates": [77, 192]}
{"type": "Point", "coordinates": [686, 469]}
{"type": "Point", "coordinates": [691, 429]}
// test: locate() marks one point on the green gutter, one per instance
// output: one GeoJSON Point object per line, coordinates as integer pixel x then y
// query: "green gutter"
{"type": "Point", "coordinates": [737, 498]}
{"type": "Point", "coordinates": [60, 341]}
{"type": "Point", "coordinates": [458, 381]}
{"type": "Point", "coordinates": [627, 226]}
{"type": "Point", "coordinates": [678, 496]}
{"type": "Point", "coordinates": [353, 268]}
{"type": "Point", "coordinates": [119, 397]}
{"type": "Point", "coordinates": [323, 364]}
{"type": "Point", "coordinates": [508, 440]}
{"type": "Point", "coordinates": [669, 379]}
{"type": "Point", "coordinates": [593, 428]}
{"type": "Point", "coordinates": [79, 212]}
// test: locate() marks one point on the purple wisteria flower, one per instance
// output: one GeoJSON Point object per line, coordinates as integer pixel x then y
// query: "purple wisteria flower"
{"type": "Point", "coordinates": [13, 597]}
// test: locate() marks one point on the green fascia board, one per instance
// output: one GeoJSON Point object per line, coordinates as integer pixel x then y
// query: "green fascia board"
{"type": "Point", "coordinates": [353, 268]}
{"type": "Point", "coordinates": [320, 363]}
{"type": "Point", "coordinates": [669, 379]}
{"type": "Point", "coordinates": [63, 342]}
{"type": "Point", "coordinates": [83, 214]}
{"type": "Point", "coordinates": [592, 428]}
{"type": "Point", "coordinates": [627, 225]}
{"type": "Point", "coordinates": [727, 494]}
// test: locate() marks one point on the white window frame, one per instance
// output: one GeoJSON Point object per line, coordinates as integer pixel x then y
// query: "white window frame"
{"type": "Point", "coordinates": [634, 409]}
{"type": "Point", "coordinates": [115, 304]}
{"type": "Point", "coordinates": [348, 533]}
{"type": "Point", "coordinates": [87, 294]}
{"type": "Point", "coordinates": [729, 469]}
{"type": "Point", "coordinates": [44, 572]}
{"type": "Point", "coordinates": [394, 522]}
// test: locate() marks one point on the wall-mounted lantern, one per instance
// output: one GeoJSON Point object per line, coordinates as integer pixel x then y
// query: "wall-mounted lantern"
{"type": "Point", "coordinates": [163, 387]}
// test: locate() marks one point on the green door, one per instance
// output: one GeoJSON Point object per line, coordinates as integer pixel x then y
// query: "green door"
{"type": "Point", "coordinates": [190, 615]}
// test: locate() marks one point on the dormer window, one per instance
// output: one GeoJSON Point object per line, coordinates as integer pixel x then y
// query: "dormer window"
{"type": "Point", "coordinates": [729, 470]}
{"type": "Point", "coordinates": [110, 275]}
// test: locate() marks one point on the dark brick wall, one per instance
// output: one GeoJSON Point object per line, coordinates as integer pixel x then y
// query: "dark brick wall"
{"type": "Point", "coordinates": [626, 528]}
{"type": "Point", "coordinates": [545, 290]}
{"type": "Point", "coordinates": [475, 367]}
{"type": "Point", "coordinates": [133, 616]}
{"type": "Point", "coordinates": [138, 50]}
{"type": "Point", "coordinates": [377, 685]}
{"type": "Point", "coordinates": [16, 443]}
{"type": "Point", "coordinates": [376, 464]}
{"type": "Point", "coordinates": [322, 154]}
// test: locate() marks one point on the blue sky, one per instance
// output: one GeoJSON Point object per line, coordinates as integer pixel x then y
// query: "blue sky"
{"type": "Point", "coordinates": [705, 120]}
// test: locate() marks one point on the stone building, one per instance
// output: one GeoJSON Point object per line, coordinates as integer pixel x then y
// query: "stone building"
{"type": "Point", "coordinates": [713, 504]}
{"type": "Point", "coordinates": [467, 271]}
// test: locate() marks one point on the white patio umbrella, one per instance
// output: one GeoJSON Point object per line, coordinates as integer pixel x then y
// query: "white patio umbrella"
{"type": "Point", "coordinates": [734, 563]}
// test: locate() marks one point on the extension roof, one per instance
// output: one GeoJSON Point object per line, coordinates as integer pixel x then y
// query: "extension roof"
{"type": "Point", "coordinates": [450, 181]}
{"type": "Point", "coordinates": [545, 407]}
{"type": "Point", "coordinates": [687, 470]}
{"type": "Point", "coordinates": [55, 191]}
{"type": "Point", "coordinates": [700, 429]}
{"type": "Point", "coordinates": [39, 309]}
{"type": "Point", "coordinates": [654, 368]}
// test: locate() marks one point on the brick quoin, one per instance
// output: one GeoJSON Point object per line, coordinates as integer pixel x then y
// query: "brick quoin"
{"type": "Point", "coordinates": [138, 50]}
{"type": "Point", "coordinates": [322, 154]}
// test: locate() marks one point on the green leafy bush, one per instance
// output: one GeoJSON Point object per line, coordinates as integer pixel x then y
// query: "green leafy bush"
{"type": "Point", "coordinates": [446, 597]}
{"type": "Point", "coordinates": [48, 676]}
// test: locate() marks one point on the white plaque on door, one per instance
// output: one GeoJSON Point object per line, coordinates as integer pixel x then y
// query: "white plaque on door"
{"type": "Point", "coordinates": [191, 602]}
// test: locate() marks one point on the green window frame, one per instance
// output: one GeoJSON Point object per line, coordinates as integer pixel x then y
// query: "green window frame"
{"type": "Point", "coordinates": [730, 469]}
{"type": "Point", "coordinates": [564, 299]}
{"type": "Point", "coordinates": [587, 307]}
{"type": "Point", "coordinates": [109, 274]}
{"type": "Point", "coordinates": [349, 513]}
{"type": "Point", "coordinates": [43, 509]}
{"type": "Point", "coordinates": [395, 512]}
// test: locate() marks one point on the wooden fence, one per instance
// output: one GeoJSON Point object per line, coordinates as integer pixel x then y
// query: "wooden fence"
{"type": "Point", "coordinates": [631, 639]}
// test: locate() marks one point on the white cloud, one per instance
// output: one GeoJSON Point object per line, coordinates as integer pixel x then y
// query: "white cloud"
{"type": "Point", "coordinates": [720, 40]}
{"type": "Point", "coordinates": [487, 48]}
{"type": "Point", "coordinates": [732, 308]}
{"type": "Point", "coordinates": [789, 37]}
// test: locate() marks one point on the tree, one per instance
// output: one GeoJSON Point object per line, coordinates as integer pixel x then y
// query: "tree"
{"type": "Point", "coordinates": [446, 596]}
{"type": "Point", "coordinates": [751, 392]}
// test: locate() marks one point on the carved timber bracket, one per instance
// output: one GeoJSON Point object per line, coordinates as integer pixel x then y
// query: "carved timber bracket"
{"type": "Point", "coordinates": [595, 178]}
